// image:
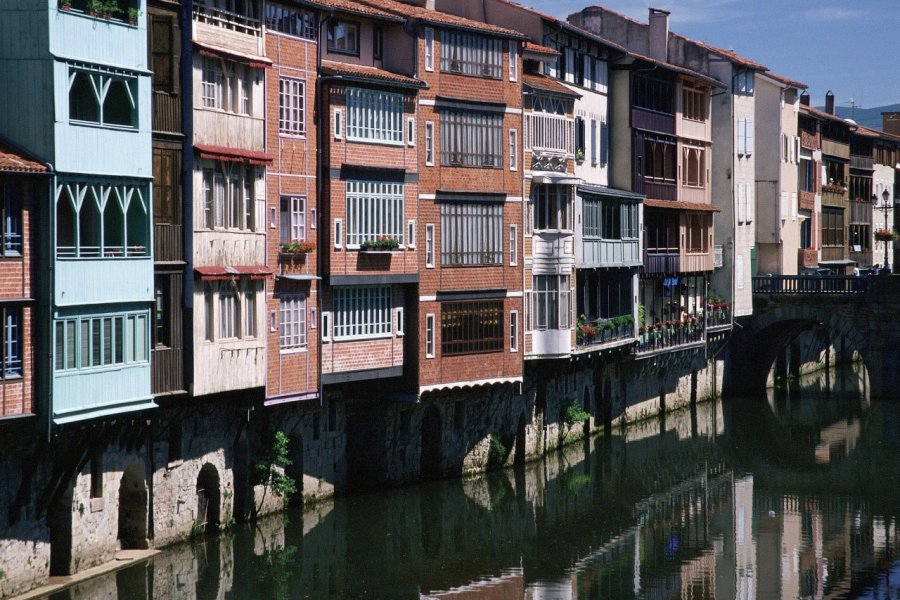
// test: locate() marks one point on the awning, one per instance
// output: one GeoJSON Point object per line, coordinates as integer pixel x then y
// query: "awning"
{"type": "Point", "coordinates": [233, 154]}
{"type": "Point", "coordinates": [254, 272]}
{"type": "Point", "coordinates": [298, 277]}
{"type": "Point", "coordinates": [256, 62]}
{"type": "Point", "coordinates": [554, 178]}
{"type": "Point", "coordinates": [678, 205]}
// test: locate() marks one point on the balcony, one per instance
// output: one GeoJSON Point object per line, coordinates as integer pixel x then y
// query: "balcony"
{"type": "Point", "coordinates": [834, 253]}
{"type": "Point", "coordinates": [597, 252]}
{"type": "Point", "coordinates": [835, 195]}
{"type": "Point", "coordinates": [662, 262]}
{"type": "Point", "coordinates": [718, 315]}
{"type": "Point", "coordinates": [229, 130]}
{"type": "Point", "coordinates": [554, 246]}
{"type": "Point", "coordinates": [668, 335]}
{"type": "Point", "coordinates": [808, 257]}
{"type": "Point", "coordinates": [807, 200]}
{"type": "Point", "coordinates": [87, 394]}
{"type": "Point", "coordinates": [228, 30]}
{"type": "Point", "coordinates": [863, 162]}
{"type": "Point", "coordinates": [592, 333]}
{"type": "Point", "coordinates": [835, 148]}
{"type": "Point", "coordinates": [551, 135]}
{"type": "Point", "coordinates": [657, 190]}
{"type": "Point", "coordinates": [810, 141]}
{"type": "Point", "coordinates": [693, 262]}
{"type": "Point", "coordinates": [111, 280]}
{"type": "Point", "coordinates": [649, 120]}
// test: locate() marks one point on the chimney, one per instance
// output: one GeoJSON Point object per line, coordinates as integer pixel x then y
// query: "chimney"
{"type": "Point", "coordinates": [804, 98]}
{"type": "Point", "coordinates": [829, 103]}
{"type": "Point", "coordinates": [890, 122]}
{"type": "Point", "coordinates": [659, 34]}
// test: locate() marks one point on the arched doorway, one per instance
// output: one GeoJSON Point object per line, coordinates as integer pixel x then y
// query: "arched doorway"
{"type": "Point", "coordinates": [208, 498]}
{"type": "Point", "coordinates": [431, 456]}
{"type": "Point", "coordinates": [59, 523]}
{"type": "Point", "coordinates": [133, 509]}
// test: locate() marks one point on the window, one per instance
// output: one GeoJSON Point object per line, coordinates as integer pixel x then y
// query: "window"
{"type": "Point", "coordinates": [429, 49]}
{"type": "Point", "coordinates": [102, 220]}
{"type": "Point", "coordinates": [292, 21]}
{"type": "Point", "coordinates": [229, 196]}
{"type": "Point", "coordinates": [411, 234]}
{"type": "Point", "coordinates": [429, 144]}
{"type": "Point", "coordinates": [513, 245]}
{"type": "Point", "coordinates": [429, 246]}
{"type": "Point", "coordinates": [745, 137]}
{"type": "Point", "coordinates": [513, 149]}
{"type": "Point", "coordinates": [166, 201]}
{"type": "Point", "coordinates": [743, 82]}
{"type": "Point", "coordinates": [471, 327]}
{"type": "Point", "coordinates": [429, 336]}
{"type": "Point", "coordinates": [229, 312]}
{"type": "Point", "coordinates": [697, 234]}
{"type": "Point", "coordinates": [609, 218]}
{"type": "Point", "coordinates": [604, 143]}
{"type": "Point", "coordinates": [87, 342]}
{"type": "Point", "coordinates": [249, 309]}
{"type": "Point", "coordinates": [471, 234]}
{"type": "Point", "coordinates": [162, 312]}
{"type": "Point", "coordinates": [362, 312]}
{"type": "Point", "coordinates": [832, 226]}
{"type": "Point", "coordinates": [471, 139]}
{"type": "Point", "coordinates": [374, 210]}
{"type": "Point", "coordinates": [470, 54]}
{"type": "Point", "coordinates": [693, 166]}
{"type": "Point", "coordinates": [164, 57]}
{"type": "Point", "coordinates": [580, 143]}
{"type": "Point", "coordinates": [343, 37]}
{"type": "Point", "coordinates": [209, 324]}
{"type": "Point", "coordinates": [659, 159]}
{"type": "Point", "coordinates": [338, 124]}
{"type": "Point", "coordinates": [291, 106]}
{"type": "Point", "coordinates": [104, 98]}
{"type": "Point", "coordinates": [513, 60]}
{"type": "Point", "coordinates": [513, 331]}
{"type": "Point", "coordinates": [548, 127]}
{"type": "Point", "coordinates": [401, 322]}
{"type": "Point", "coordinates": [807, 175]}
{"type": "Point", "coordinates": [293, 218]}
{"type": "Point", "coordinates": [594, 155]}
{"type": "Point", "coordinates": [650, 93]}
{"type": "Point", "coordinates": [411, 131]}
{"type": "Point", "coordinates": [227, 86]}
{"type": "Point", "coordinates": [552, 206]}
{"type": "Point", "coordinates": [377, 43]}
{"type": "Point", "coordinates": [11, 219]}
{"type": "Point", "coordinates": [338, 233]}
{"type": "Point", "coordinates": [806, 233]}
{"type": "Point", "coordinates": [11, 343]}
{"type": "Point", "coordinates": [551, 305]}
{"type": "Point", "coordinates": [374, 116]}
{"type": "Point", "coordinates": [693, 103]}
{"type": "Point", "coordinates": [292, 321]}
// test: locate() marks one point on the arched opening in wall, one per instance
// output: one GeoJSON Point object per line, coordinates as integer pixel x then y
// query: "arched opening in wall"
{"type": "Point", "coordinates": [208, 498]}
{"type": "Point", "coordinates": [607, 407]}
{"type": "Point", "coordinates": [59, 524]}
{"type": "Point", "coordinates": [586, 407]}
{"type": "Point", "coordinates": [519, 457]}
{"type": "Point", "coordinates": [431, 453]}
{"type": "Point", "coordinates": [133, 512]}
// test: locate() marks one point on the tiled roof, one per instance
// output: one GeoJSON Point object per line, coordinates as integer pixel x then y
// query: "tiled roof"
{"type": "Point", "coordinates": [679, 205]}
{"type": "Point", "coordinates": [14, 161]}
{"type": "Point", "coordinates": [357, 8]}
{"type": "Point", "coordinates": [786, 80]}
{"type": "Point", "coordinates": [729, 54]}
{"type": "Point", "coordinates": [546, 84]}
{"type": "Point", "coordinates": [678, 69]}
{"type": "Point", "coordinates": [330, 67]}
{"type": "Point", "coordinates": [822, 114]}
{"type": "Point", "coordinates": [439, 18]}
{"type": "Point", "coordinates": [538, 49]}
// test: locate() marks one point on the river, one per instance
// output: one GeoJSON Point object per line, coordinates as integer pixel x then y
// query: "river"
{"type": "Point", "coordinates": [794, 495]}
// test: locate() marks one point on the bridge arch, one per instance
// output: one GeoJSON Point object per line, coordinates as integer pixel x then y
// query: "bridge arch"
{"type": "Point", "coordinates": [852, 314]}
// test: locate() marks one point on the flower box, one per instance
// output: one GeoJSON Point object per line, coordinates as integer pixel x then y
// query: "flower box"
{"type": "Point", "coordinates": [381, 245]}
{"type": "Point", "coordinates": [297, 249]}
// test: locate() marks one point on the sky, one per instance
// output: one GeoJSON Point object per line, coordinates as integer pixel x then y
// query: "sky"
{"type": "Point", "coordinates": [849, 47]}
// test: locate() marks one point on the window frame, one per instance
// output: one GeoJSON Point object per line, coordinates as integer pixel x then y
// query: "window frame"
{"type": "Point", "coordinates": [331, 39]}
{"type": "Point", "coordinates": [362, 312]}
{"type": "Point", "coordinates": [292, 115]}
{"type": "Point", "coordinates": [293, 305]}
{"type": "Point", "coordinates": [467, 328]}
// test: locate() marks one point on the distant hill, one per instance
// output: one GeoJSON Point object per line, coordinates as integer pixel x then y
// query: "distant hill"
{"type": "Point", "coordinates": [867, 117]}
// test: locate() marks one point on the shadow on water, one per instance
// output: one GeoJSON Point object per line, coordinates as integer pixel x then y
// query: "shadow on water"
{"type": "Point", "coordinates": [785, 496]}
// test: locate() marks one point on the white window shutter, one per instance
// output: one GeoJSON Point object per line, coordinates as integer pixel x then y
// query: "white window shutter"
{"type": "Point", "coordinates": [748, 124]}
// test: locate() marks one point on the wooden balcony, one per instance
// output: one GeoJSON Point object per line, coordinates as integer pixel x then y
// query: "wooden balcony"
{"type": "Point", "coordinates": [649, 120]}
{"type": "Point", "coordinates": [694, 262]}
{"type": "Point", "coordinates": [668, 262]}
{"type": "Point", "coordinates": [166, 112]}
{"type": "Point", "coordinates": [831, 196]}
{"type": "Point", "coordinates": [657, 190]}
{"type": "Point", "coordinates": [866, 163]}
{"type": "Point", "coordinates": [168, 243]}
{"type": "Point", "coordinates": [810, 141]}
{"type": "Point", "coordinates": [808, 257]}
{"type": "Point", "coordinates": [834, 148]}
{"type": "Point", "coordinates": [167, 374]}
{"type": "Point", "coordinates": [832, 253]}
{"type": "Point", "coordinates": [807, 200]}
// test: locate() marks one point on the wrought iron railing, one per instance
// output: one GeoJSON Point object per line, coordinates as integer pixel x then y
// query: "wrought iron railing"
{"type": "Point", "coordinates": [669, 335]}
{"type": "Point", "coordinates": [810, 284]}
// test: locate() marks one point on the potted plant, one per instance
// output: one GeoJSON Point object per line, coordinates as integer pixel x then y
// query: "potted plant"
{"type": "Point", "coordinates": [65, 4]}
{"type": "Point", "coordinates": [380, 244]}
{"type": "Point", "coordinates": [885, 235]}
{"type": "Point", "coordinates": [298, 248]}
{"type": "Point", "coordinates": [132, 16]}
{"type": "Point", "coordinates": [96, 8]}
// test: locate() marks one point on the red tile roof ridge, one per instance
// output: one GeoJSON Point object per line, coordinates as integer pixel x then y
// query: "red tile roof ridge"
{"type": "Point", "coordinates": [354, 7]}
{"type": "Point", "coordinates": [678, 68]}
{"type": "Point", "coordinates": [538, 48]}
{"type": "Point", "coordinates": [369, 71]}
{"type": "Point", "coordinates": [548, 84]}
{"type": "Point", "coordinates": [439, 18]}
{"type": "Point", "coordinates": [16, 160]}
{"type": "Point", "coordinates": [787, 80]}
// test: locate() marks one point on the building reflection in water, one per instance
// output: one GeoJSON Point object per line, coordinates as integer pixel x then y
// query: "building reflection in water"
{"type": "Point", "coordinates": [726, 500]}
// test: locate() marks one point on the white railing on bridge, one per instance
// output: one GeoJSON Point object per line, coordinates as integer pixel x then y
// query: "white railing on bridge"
{"type": "Point", "coordinates": [810, 284]}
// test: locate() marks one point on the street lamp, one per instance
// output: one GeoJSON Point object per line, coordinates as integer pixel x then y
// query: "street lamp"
{"type": "Point", "coordinates": [885, 206]}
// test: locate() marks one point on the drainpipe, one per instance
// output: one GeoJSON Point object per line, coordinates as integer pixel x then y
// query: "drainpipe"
{"type": "Point", "coordinates": [324, 123]}
{"type": "Point", "coordinates": [46, 291]}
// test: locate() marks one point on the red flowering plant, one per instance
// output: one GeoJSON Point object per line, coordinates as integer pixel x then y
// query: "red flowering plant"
{"type": "Point", "coordinates": [382, 242]}
{"type": "Point", "coordinates": [298, 248]}
{"type": "Point", "coordinates": [885, 235]}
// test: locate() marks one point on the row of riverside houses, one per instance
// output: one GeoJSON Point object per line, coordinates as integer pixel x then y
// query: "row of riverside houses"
{"type": "Point", "coordinates": [306, 214]}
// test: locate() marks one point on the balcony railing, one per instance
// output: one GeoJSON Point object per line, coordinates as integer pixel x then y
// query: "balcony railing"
{"type": "Point", "coordinates": [669, 334]}
{"type": "Point", "coordinates": [669, 262]}
{"type": "Point", "coordinates": [550, 134]}
{"type": "Point", "coordinates": [718, 314]}
{"type": "Point", "coordinates": [94, 252]}
{"type": "Point", "coordinates": [227, 20]}
{"type": "Point", "coordinates": [596, 332]}
{"type": "Point", "coordinates": [810, 284]}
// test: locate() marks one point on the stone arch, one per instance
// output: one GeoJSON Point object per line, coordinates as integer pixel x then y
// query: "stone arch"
{"type": "Point", "coordinates": [431, 453]}
{"type": "Point", "coordinates": [756, 347]}
{"type": "Point", "coordinates": [209, 498]}
{"type": "Point", "coordinates": [133, 512]}
{"type": "Point", "coordinates": [59, 524]}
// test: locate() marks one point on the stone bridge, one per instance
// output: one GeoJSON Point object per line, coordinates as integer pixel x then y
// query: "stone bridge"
{"type": "Point", "coordinates": [851, 314]}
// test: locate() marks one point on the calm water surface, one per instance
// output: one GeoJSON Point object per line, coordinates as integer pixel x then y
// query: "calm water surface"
{"type": "Point", "coordinates": [790, 496]}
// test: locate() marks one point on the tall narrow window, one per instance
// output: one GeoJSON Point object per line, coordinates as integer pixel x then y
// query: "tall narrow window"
{"type": "Point", "coordinates": [514, 331]}
{"type": "Point", "coordinates": [429, 246]}
{"type": "Point", "coordinates": [513, 149]}
{"type": "Point", "coordinates": [293, 218]}
{"type": "Point", "coordinates": [228, 313]}
{"type": "Point", "coordinates": [429, 144]}
{"type": "Point", "coordinates": [377, 43]}
{"type": "Point", "coordinates": [429, 49]}
{"type": "Point", "coordinates": [429, 336]}
{"type": "Point", "coordinates": [250, 310]}
{"type": "Point", "coordinates": [11, 219]}
{"type": "Point", "coordinates": [513, 245]}
{"type": "Point", "coordinates": [12, 341]}
{"type": "Point", "coordinates": [209, 308]}
{"type": "Point", "coordinates": [291, 106]}
{"type": "Point", "coordinates": [513, 60]}
{"type": "Point", "coordinates": [292, 321]}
